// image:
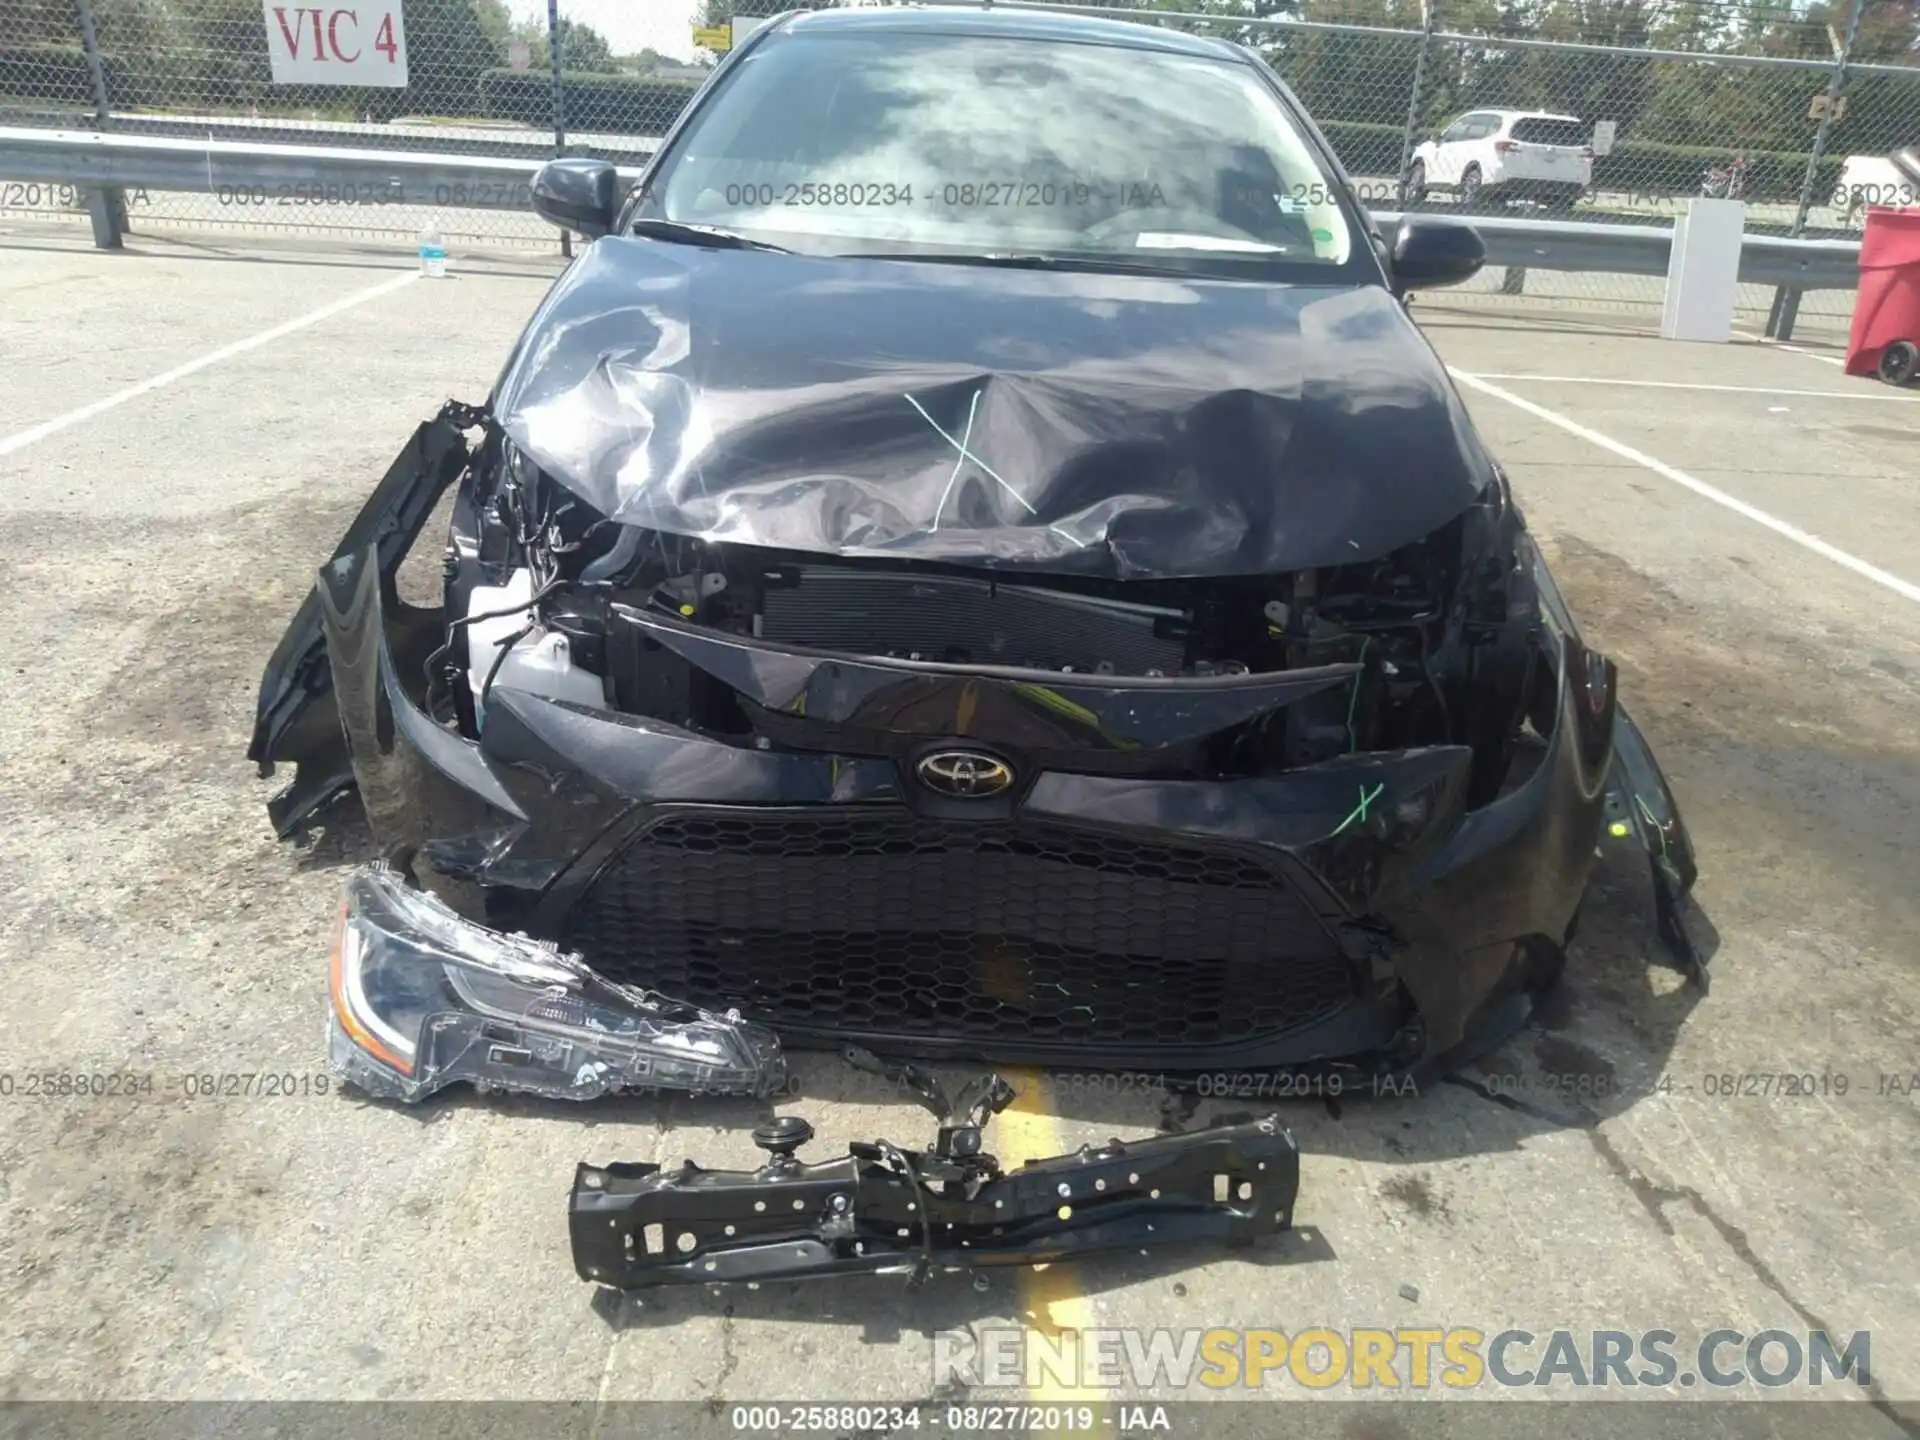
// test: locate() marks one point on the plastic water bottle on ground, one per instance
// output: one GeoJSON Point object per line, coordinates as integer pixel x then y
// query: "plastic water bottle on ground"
{"type": "Point", "coordinates": [433, 251]}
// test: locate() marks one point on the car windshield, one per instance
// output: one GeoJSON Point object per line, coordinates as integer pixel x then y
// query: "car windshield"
{"type": "Point", "coordinates": [942, 144]}
{"type": "Point", "coordinates": [1537, 131]}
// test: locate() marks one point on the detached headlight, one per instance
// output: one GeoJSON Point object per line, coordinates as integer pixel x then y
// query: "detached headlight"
{"type": "Point", "coordinates": [423, 998]}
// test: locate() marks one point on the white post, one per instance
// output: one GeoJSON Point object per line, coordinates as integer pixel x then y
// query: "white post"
{"type": "Point", "coordinates": [1704, 271]}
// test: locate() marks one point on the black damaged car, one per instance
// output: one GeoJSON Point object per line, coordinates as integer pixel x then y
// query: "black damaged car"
{"type": "Point", "coordinates": [973, 560]}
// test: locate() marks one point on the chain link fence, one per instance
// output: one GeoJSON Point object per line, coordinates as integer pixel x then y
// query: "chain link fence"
{"type": "Point", "coordinates": [1788, 105]}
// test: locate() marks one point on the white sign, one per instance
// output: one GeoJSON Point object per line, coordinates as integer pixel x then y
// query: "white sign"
{"type": "Point", "coordinates": [337, 42]}
{"type": "Point", "coordinates": [1603, 136]}
{"type": "Point", "coordinates": [745, 25]}
{"type": "Point", "coordinates": [519, 55]}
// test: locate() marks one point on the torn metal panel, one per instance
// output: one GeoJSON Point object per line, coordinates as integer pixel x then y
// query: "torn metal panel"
{"type": "Point", "coordinates": [1639, 801]}
{"type": "Point", "coordinates": [884, 1210]}
{"type": "Point", "coordinates": [1094, 424]}
{"type": "Point", "coordinates": [424, 999]}
{"type": "Point", "coordinates": [296, 719]}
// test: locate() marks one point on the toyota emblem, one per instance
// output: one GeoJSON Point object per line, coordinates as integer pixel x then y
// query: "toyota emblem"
{"type": "Point", "coordinates": [964, 774]}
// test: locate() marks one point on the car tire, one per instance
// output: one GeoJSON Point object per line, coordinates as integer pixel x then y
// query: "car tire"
{"type": "Point", "coordinates": [1416, 182]}
{"type": "Point", "coordinates": [1900, 363]}
{"type": "Point", "coordinates": [1471, 186]}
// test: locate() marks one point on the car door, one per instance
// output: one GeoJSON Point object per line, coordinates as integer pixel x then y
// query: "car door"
{"type": "Point", "coordinates": [1471, 148]}
{"type": "Point", "coordinates": [1449, 152]}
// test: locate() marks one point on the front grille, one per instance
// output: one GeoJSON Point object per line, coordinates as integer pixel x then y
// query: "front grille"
{"type": "Point", "coordinates": [885, 923]}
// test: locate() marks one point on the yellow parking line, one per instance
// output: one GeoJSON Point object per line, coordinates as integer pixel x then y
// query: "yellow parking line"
{"type": "Point", "coordinates": [1050, 1298]}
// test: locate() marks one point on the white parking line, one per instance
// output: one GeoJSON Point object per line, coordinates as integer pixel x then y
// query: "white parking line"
{"type": "Point", "coordinates": [35, 433]}
{"type": "Point", "coordinates": [1905, 588]}
{"type": "Point", "coordinates": [1810, 354]}
{"type": "Point", "coordinates": [1861, 394]}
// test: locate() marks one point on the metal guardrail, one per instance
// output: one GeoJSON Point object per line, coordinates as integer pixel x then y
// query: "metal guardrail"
{"type": "Point", "coordinates": [1530, 244]}
{"type": "Point", "coordinates": [103, 160]}
{"type": "Point", "coordinates": [478, 138]}
{"type": "Point", "coordinates": [166, 163]}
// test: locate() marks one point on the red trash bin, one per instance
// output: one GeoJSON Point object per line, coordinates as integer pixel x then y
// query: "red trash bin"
{"type": "Point", "coordinates": [1886, 308]}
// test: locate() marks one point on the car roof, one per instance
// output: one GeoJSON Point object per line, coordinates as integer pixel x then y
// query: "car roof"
{"type": "Point", "coordinates": [1037, 25]}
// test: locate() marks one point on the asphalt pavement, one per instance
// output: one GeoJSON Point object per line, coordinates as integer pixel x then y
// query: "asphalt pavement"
{"type": "Point", "coordinates": [187, 430]}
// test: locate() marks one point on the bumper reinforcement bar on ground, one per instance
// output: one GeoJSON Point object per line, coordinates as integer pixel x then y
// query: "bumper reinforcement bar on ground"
{"type": "Point", "coordinates": [882, 1210]}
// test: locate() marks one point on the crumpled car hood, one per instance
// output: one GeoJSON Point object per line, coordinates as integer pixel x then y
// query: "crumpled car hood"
{"type": "Point", "coordinates": [1122, 426]}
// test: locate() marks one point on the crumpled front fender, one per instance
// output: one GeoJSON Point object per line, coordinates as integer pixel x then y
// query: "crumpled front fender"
{"type": "Point", "coordinates": [1640, 803]}
{"type": "Point", "coordinates": [296, 719]}
{"type": "Point", "coordinates": [1639, 798]}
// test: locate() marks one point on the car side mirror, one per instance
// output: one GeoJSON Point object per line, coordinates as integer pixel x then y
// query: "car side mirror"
{"type": "Point", "coordinates": [1430, 253]}
{"type": "Point", "coordinates": [577, 193]}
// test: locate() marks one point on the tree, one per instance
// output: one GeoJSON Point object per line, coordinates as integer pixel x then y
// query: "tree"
{"type": "Point", "coordinates": [450, 44]}
{"type": "Point", "coordinates": [214, 57]}
{"type": "Point", "coordinates": [495, 20]}
{"type": "Point", "coordinates": [1889, 32]}
{"type": "Point", "coordinates": [38, 22]}
{"type": "Point", "coordinates": [1341, 76]}
{"type": "Point", "coordinates": [581, 46]}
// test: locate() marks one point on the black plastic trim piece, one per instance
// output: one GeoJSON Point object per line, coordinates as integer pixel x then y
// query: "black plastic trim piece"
{"type": "Point", "coordinates": [881, 1210]}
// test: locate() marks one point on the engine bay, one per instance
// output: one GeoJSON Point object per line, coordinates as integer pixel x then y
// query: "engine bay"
{"type": "Point", "coordinates": [735, 770]}
{"type": "Point", "coordinates": [538, 584]}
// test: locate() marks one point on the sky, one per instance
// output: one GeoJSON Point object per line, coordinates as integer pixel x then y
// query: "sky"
{"type": "Point", "coordinates": [629, 25]}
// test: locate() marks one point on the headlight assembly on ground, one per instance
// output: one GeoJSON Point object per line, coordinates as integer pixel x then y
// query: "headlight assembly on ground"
{"type": "Point", "coordinates": [423, 998]}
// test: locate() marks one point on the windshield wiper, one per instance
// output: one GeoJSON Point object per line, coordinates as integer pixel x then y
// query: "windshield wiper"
{"type": "Point", "coordinates": [1017, 261]}
{"type": "Point", "coordinates": [679, 232]}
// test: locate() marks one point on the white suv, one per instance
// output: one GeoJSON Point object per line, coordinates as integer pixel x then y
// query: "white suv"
{"type": "Point", "coordinates": [1497, 155]}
